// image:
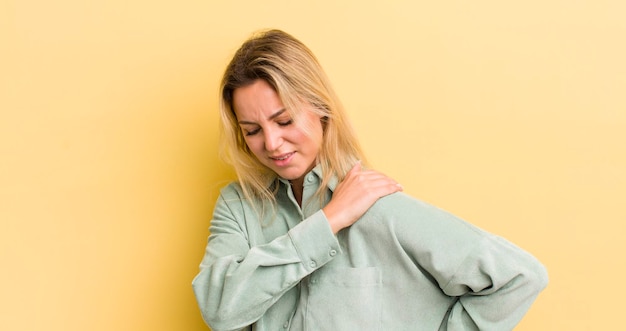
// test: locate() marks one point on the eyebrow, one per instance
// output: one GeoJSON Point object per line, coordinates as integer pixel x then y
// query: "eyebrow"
{"type": "Point", "coordinates": [273, 116]}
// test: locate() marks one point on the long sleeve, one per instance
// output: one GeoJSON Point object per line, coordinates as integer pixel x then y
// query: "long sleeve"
{"type": "Point", "coordinates": [238, 283]}
{"type": "Point", "coordinates": [492, 281]}
{"type": "Point", "coordinates": [404, 265]}
{"type": "Point", "coordinates": [496, 284]}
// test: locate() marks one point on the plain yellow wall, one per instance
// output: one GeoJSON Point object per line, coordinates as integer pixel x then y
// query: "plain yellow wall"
{"type": "Point", "coordinates": [510, 114]}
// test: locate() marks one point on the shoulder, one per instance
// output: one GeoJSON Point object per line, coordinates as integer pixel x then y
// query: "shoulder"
{"type": "Point", "coordinates": [404, 210]}
{"type": "Point", "coordinates": [231, 197]}
{"type": "Point", "coordinates": [232, 190]}
{"type": "Point", "coordinates": [401, 203]}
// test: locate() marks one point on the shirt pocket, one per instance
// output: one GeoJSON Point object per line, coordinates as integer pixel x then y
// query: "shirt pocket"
{"type": "Point", "coordinates": [344, 299]}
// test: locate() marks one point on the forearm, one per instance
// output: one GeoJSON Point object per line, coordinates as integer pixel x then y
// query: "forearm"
{"type": "Point", "coordinates": [235, 286]}
{"type": "Point", "coordinates": [493, 281]}
{"type": "Point", "coordinates": [496, 286]}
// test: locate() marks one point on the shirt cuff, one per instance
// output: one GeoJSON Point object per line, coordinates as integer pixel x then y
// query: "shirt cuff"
{"type": "Point", "coordinates": [315, 242]}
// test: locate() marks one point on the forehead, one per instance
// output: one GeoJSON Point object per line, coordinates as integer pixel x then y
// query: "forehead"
{"type": "Point", "coordinates": [256, 99]}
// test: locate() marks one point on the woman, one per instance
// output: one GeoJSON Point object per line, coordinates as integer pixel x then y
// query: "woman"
{"type": "Point", "coordinates": [308, 239]}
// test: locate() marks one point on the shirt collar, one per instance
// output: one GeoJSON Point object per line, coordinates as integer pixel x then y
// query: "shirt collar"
{"type": "Point", "coordinates": [317, 171]}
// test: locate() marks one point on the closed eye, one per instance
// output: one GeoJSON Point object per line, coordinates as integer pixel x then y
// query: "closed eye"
{"type": "Point", "coordinates": [285, 123]}
{"type": "Point", "coordinates": [256, 130]}
{"type": "Point", "coordinates": [251, 132]}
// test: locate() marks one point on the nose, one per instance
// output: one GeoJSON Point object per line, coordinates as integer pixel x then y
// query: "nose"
{"type": "Point", "coordinates": [273, 139]}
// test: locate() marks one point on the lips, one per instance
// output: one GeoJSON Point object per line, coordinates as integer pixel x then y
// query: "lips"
{"type": "Point", "coordinates": [282, 157]}
{"type": "Point", "coordinates": [282, 160]}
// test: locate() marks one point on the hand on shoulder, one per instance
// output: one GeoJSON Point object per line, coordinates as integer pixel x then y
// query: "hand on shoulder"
{"type": "Point", "coordinates": [358, 191]}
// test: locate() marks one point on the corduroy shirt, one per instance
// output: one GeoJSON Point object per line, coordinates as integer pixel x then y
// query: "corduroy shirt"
{"type": "Point", "coordinates": [404, 265]}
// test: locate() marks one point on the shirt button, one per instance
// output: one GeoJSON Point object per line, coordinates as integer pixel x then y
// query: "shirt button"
{"type": "Point", "coordinates": [332, 252]}
{"type": "Point", "coordinates": [310, 179]}
{"type": "Point", "coordinates": [286, 325]}
{"type": "Point", "coordinates": [312, 264]}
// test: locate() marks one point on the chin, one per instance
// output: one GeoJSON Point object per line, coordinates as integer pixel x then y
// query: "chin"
{"type": "Point", "coordinates": [290, 175]}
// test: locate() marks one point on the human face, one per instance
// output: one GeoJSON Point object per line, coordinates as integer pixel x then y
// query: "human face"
{"type": "Point", "coordinates": [277, 140]}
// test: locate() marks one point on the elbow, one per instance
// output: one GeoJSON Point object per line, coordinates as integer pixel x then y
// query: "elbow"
{"type": "Point", "coordinates": [219, 320]}
{"type": "Point", "coordinates": [541, 278]}
{"type": "Point", "coordinates": [219, 323]}
{"type": "Point", "coordinates": [537, 278]}
{"type": "Point", "coordinates": [214, 313]}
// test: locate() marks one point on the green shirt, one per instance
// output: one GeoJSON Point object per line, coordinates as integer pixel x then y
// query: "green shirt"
{"type": "Point", "coordinates": [405, 265]}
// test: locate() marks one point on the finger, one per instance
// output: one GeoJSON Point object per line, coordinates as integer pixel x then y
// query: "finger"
{"type": "Point", "coordinates": [356, 168]}
{"type": "Point", "coordinates": [380, 180]}
{"type": "Point", "coordinates": [352, 173]}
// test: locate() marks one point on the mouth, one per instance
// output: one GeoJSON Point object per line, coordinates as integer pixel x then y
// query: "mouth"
{"type": "Point", "coordinates": [282, 157]}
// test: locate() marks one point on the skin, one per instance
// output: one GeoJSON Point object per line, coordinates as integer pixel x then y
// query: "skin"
{"type": "Point", "coordinates": [281, 143]}
{"type": "Point", "coordinates": [276, 140]}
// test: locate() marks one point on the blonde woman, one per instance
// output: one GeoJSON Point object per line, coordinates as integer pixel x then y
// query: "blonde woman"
{"type": "Point", "coordinates": [308, 238]}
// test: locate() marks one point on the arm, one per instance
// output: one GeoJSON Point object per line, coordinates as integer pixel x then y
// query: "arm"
{"type": "Point", "coordinates": [358, 191]}
{"type": "Point", "coordinates": [495, 285]}
{"type": "Point", "coordinates": [493, 281]}
{"type": "Point", "coordinates": [237, 284]}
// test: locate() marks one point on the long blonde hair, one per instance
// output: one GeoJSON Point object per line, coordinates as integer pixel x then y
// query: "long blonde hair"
{"type": "Point", "coordinates": [292, 70]}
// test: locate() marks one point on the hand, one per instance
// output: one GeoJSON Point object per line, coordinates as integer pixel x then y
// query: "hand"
{"type": "Point", "coordinates": [356, 194]}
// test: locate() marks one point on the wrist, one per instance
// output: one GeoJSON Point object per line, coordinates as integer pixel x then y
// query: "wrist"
{"type": "Point", "coordinates": [333, 219]}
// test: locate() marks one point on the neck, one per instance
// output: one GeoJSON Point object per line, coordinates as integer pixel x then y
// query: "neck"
{"type": "Point", "coordinates": [297, 187]}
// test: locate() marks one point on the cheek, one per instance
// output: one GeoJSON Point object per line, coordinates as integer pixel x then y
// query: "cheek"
{"type": "Point", "coordinates": [312, 131]}
{"type": "Point", "coordinates": [312, 141]}
{"type": "Point", "coordinates": [254, 144]}
{"type": "Point", "coordinates": [298, 137]}
{"type": "Point", "coordinates": [317, 134]}
{"type": "Point", "coordinates": [320, 134]}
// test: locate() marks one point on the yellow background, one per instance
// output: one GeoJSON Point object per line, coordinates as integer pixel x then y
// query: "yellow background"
{"type": "Point", "coordinates": [510, 114]}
